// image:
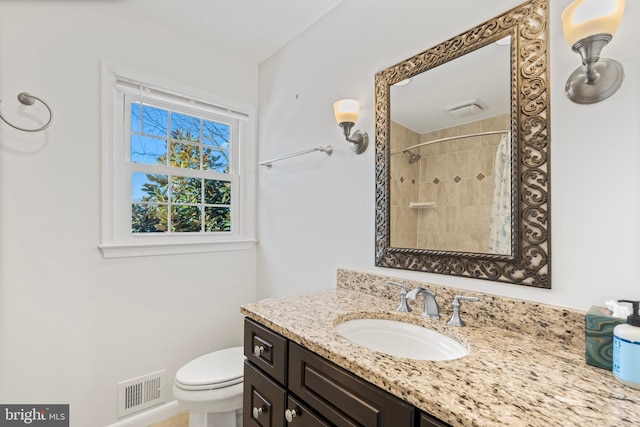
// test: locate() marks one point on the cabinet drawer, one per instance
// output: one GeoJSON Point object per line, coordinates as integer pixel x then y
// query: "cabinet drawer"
{"type": "Point", "coordinates": [263, 400]}
{"type": "Point", "coordinates": [429, 421]}
{"type": "Point", "coordinates": [341, 397]}
{"type": "Point", "coordinates": [303, 416]}
{"type": "Point", "coordinates": [266, 349]}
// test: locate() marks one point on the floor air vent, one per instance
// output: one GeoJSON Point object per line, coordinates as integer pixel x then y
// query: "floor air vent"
{"type": "Point", "coordinates": [140, 393]}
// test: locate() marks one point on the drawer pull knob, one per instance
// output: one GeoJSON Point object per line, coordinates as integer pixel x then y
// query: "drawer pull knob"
{"type": "Point", "coordinates": [258, 350]}
{"type": "Point", "coordinates": [256, 412]}
{"type": "Point", "coordinates": [290, 414]}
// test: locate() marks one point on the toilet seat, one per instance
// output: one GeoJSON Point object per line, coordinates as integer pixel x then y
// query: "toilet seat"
{"type": "Point", "coordinates": [216, 370]}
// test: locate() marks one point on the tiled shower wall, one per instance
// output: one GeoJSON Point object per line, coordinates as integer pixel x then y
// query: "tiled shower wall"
{"type": "Point", "coordinates": [405, 188]}
{"type": "Point", "coordinates": [457, 176]}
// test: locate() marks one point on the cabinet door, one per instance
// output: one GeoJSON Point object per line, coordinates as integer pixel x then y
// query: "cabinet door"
{"type": "Point", "coordinates": [429, 421]}
{"type": "Point", "coordinates": [266, 349]}
{"type": "Point", "coordinates": [300, 416]}
{"type": "Point", "coordinates": [341, 397]}
{"type": "Point", "coordinates": [263, 399]}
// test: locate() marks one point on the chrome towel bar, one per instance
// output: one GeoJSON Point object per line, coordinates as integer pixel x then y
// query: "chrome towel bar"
{"type": "Point", "coordinates": [328, 149]}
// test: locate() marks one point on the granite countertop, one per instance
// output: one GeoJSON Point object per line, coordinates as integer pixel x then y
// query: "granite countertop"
{"type": "Point", "coordinates": [509, 378]}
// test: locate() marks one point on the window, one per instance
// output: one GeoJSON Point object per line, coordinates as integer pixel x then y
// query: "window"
{"type": "Point", "coordinates": [176, 171]}
{"type": "Point", "coordinates": [181, 167]}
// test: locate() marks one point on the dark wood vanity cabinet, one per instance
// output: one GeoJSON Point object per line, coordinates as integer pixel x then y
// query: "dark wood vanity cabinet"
{"type": "Point", "coordinates": [264, 400]}
{"type": "Point", "coordinates": [288, 385]}
{"type": "Point", "coordinates": [266, 349]}
{"type": "Point", "coordinates": [341, 397]}
{"type": "Point", "coordinates": [429, 421]}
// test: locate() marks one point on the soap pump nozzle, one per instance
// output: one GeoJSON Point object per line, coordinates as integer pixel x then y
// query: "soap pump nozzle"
{"type": "Point", "coordinates": [634, 318]}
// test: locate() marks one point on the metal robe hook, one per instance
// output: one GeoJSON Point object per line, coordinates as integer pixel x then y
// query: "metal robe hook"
{"type": "Point", "coordinates": [28, 99]}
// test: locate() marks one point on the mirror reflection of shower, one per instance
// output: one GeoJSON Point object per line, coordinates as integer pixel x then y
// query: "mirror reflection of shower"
{"type": "Point", "coordinates": [412, 156]}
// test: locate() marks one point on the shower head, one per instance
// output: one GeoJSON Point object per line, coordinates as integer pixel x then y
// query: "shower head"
{"type": "Point", "coordinates": [412, 156]}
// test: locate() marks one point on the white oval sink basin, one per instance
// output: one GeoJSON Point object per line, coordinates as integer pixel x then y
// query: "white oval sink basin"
{"type": "Point", "coordinates": [401, 339]}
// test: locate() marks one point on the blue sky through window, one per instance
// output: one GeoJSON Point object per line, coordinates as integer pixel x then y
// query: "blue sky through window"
{"type": "Point", "coordinates": [185, 127]}
{"type": "Point", "coordinates": [150, 133]}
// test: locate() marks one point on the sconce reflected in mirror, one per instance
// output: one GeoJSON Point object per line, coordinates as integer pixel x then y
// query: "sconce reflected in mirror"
{"type": "Point", "coordinates": [589, 26]}
{"type": "Point", "coordinates": [346, 111]}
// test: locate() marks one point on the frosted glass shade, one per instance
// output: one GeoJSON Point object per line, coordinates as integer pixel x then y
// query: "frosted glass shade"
{"type": "Point", "coordinates": [346, 110]}
{"type": "Point", "coordinates": [584, 18]}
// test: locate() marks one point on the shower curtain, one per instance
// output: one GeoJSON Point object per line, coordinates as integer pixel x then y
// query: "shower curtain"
{"type": "Point", "coordinates": [500, 225]}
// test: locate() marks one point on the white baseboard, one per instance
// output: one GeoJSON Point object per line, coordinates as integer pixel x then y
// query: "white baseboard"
{"type": "Point", "coordinates": [151, 416]}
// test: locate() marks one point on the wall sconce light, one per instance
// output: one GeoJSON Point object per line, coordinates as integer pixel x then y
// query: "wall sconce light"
{"type": "Point", "coordinates": [588, 27]}
{"type": "Point", "coordinates": [346, 111]}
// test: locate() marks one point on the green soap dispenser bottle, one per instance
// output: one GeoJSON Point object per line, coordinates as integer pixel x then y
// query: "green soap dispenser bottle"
{"type": "Point", "coordinates": [626, 349]}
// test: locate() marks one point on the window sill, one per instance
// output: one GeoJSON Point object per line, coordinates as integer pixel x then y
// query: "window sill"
{"type": "Point", "coordinates": [126, 250]}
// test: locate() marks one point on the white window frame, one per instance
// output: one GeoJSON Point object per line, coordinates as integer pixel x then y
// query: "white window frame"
{"type": "Point", "coordinates": [119, 87]}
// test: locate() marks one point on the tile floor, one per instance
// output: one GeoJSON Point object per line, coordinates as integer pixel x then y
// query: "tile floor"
{"type": "Point", "coordinates": [180, 420]}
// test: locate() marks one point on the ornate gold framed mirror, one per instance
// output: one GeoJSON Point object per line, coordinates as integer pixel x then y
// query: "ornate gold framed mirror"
{"type": "Point", "coordinates": [462, 154]}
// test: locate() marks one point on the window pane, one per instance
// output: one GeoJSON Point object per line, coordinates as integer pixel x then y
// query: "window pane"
{"type": "Point", "coordinates": [185, 128]}
{"type": "Point", "coordinates": [148, 187]}
{"type": "Point", "coordinates": [185, 219]}
{"type": "Point", "coordinates": [154, 121]}
{"type": "Point", "coordinates": [186, 190]}
{"type": "Point", "coordinates": [185, 156]}
{"type": "Point", "coordinates": [216, 134]}
{"type": "Point", "coordinates": [148, 218]}
{"type": "Point", "coordinates": [150, 151]}
{"type": "Point", "coordinates": [136, 124]}
{"type": "Point", "coordinates": [217, 219]}
{"type": "Point", "coordinates": [213, 159]}
{"type": "Point", "coordinates": [217, 192]}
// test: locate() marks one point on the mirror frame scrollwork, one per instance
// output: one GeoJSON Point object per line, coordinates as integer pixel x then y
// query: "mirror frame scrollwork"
{"type": "Point", "coordinates": [529, 262]}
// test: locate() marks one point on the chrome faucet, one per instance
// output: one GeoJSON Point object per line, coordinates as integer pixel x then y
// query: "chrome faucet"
{"type": "Point", "coordinates": [456, 320]}
{"type": "Point", "coordinates": [403, 297]}
{"type": "Point", "coordinates": [430, 308]}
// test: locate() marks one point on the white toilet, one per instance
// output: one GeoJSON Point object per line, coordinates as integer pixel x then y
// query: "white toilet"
{"type": "Point", "coordinates": [210, 387]}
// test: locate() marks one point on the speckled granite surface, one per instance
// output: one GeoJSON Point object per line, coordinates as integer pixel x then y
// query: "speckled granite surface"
{"type": "Point", "coordinates": [526, 365]}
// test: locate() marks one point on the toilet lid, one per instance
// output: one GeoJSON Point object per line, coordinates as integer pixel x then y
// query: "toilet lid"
{"type": "Point", "coordinates": [219, 369]}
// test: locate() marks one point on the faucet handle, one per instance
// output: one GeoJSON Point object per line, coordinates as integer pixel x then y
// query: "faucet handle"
{"type": "Point", "coordinates": [464, 298]}
{"type": "Point", "coordinates": [400, 285]}
{"type": "Point", "coordinates": [456, 320]}
{"type": "Point", "coordinates": [404, 307]}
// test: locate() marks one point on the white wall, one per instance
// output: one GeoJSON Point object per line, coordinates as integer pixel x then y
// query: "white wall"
{"type": "Point", "coordinates": [317, 213]}
{"type": "Point", "coordinates": [73, 324]}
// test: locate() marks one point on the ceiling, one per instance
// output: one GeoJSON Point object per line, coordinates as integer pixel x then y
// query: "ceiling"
{"type": "Point", "coordinates": [256, 29]}
{"type": "Point", "coordinates": [253, 29]}
{"type": "Point", "coordinates": [483, 74]}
